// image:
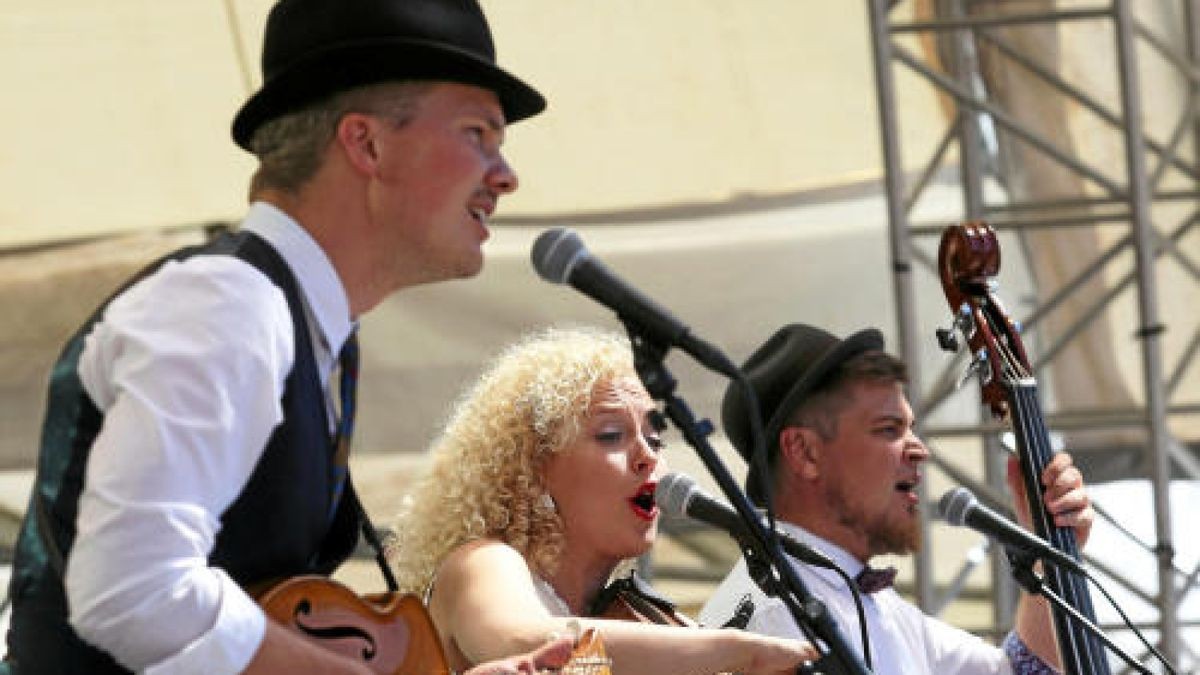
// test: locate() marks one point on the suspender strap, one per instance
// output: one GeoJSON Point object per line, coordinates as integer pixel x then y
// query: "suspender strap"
{"type": "Point", "coordinates": [41, 519]}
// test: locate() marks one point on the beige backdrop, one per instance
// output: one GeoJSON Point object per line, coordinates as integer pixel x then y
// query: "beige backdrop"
{"type": "Point", "coordinates": [724, 156]}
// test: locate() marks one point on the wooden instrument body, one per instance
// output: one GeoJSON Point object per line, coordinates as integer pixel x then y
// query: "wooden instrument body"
{"type": "Point", "coordinates": [628, 607]}
{"type": "Point", "coordinates": [390, 633]}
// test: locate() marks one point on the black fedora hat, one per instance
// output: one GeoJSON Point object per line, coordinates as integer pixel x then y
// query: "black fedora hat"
{"type": "Point", "coordinates": [794, 362]}
{"type": "Point", "coordinates": [313, 48]}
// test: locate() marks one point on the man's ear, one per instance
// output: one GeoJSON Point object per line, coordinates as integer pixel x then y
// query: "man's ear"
{"type": "Point", "coordinates": [357, 135]}
{"type": "Point", "coordinates": [800, 450]}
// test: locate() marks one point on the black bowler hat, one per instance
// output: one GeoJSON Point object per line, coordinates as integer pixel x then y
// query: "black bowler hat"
{"type": "Point", "coordinates": [788, 367]}
{"type": "Point", "coordinates": [313, 48]}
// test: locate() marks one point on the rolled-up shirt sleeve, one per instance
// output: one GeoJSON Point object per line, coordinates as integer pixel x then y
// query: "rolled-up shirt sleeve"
{"type": "Point", "coordinates": [188, 367]}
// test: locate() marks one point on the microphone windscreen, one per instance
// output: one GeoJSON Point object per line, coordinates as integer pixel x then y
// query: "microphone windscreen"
{"type": "Point", "coordinates": [555, 252]}
{"type": "Point", "coordinates": [673, 493]}
{"type": "Point", "coordinates": [954, 505]}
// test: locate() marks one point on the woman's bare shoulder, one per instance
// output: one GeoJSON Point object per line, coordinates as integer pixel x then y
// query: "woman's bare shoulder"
{"type": "Point", "coordinates": [481, 558]}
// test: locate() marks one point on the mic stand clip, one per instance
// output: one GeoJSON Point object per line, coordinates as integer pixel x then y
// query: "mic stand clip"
{"type": "Point", "coordinates": [1021, 563]}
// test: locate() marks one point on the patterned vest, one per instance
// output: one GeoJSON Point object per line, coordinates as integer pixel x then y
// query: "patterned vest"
{"type": "Point", "coordinates": [279, 525]}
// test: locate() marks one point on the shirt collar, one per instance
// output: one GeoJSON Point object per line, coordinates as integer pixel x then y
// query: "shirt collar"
{"type": "Point", "coordinates": [842, 558]}
{"type": "Point", "coordinates": [319, 281]}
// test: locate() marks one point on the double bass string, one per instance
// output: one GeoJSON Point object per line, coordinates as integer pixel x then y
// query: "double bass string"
{"type": "Point", "coordinates": [1082, 653]}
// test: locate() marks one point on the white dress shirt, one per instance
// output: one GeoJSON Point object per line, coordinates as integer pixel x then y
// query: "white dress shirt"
{"type": "Point", "coordinates": [188, 367]}
{"type": "Point", "coordinates": [904, 640]}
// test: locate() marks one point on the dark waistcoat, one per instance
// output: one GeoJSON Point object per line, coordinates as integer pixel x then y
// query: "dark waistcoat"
{"type": "Point", "coordinates": [278, 526]}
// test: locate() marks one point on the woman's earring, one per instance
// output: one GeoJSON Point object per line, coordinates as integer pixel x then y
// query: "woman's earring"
{"type": "Point", "coordinates": [547, 502]}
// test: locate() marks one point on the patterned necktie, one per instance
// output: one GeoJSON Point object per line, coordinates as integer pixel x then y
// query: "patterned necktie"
{"type": "Point", "coordinates": [871, 580]}
{"type": "Point", "coordinates": [348, 362]}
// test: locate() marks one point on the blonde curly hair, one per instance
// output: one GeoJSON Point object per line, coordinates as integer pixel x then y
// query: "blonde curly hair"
{"type": "Point", "coordinates": [485, 474]}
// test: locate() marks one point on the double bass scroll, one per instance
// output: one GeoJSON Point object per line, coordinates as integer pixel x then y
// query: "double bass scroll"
{"type": "Point", "coordinates": [968, 260]}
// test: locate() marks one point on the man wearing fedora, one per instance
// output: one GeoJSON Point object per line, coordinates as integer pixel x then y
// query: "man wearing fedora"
{"type": "Point", "coordinates": [843, 467]}
{"type": "Point", "coordinates": [198, 424]}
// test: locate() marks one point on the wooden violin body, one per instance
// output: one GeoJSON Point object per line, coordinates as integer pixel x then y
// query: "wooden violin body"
{"type": "Point", "coordinates": [631, 599]}
{"type": "Point", "coordinates": [968, 259]}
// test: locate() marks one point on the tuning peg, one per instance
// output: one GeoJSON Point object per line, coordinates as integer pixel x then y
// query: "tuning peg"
{"type": "Point", "coordinates": [963, 322]}
{"type": "Point", "coordinates": [977, 367]}
{"type": "Point", "coordinates": [983, 367]}
{"type": "Point", "coordinates": [947, 340]}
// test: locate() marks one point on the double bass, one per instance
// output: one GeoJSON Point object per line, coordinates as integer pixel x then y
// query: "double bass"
{"type": "Point", "coordinates": [968, 260]}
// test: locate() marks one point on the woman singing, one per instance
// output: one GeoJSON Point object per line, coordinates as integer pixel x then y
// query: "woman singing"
{"type": "Point", "coordinates": [541, 485]}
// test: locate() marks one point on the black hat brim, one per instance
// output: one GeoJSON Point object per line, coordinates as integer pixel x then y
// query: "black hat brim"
{"type": "Point", "coordinates": [366, 62]}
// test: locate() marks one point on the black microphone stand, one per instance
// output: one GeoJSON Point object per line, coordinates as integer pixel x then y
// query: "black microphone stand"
{"type": "Point", "coordinates": [1021, 563]}
{"type": "Point", "coordinates": [810, 614]}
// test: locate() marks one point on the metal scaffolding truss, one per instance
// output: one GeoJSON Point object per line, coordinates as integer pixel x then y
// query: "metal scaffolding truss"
{"type": "Point", "coordinates": [1128, 203]}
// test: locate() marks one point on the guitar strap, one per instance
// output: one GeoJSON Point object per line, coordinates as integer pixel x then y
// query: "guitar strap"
{"type": "Point", "coordinates": [371, 535]}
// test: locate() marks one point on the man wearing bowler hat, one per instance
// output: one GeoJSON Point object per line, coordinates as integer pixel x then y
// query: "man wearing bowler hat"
{"type": "Point", "coordinates": [198, 424]}
{"type": "Point", "coordinates": [843, 468]}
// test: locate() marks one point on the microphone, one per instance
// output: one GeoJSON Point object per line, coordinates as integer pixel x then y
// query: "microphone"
{"type": "Point", "coordinates": [960, 507]}
{"type": "Point", "coordinates": [678, 494]}
{"type": "Point", "coordinates": [560, 257]}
